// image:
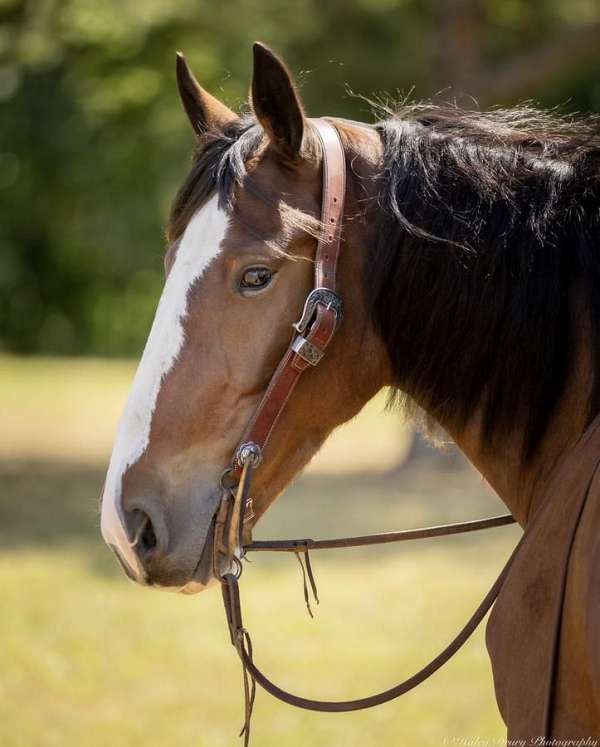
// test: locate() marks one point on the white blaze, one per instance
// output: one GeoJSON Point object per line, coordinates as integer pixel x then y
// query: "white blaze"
{"type": "Point", "coordinates": [200, 244]}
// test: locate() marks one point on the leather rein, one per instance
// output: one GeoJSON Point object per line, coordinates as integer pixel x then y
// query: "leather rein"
{"type": "Point", "coordinates": [321, 317]}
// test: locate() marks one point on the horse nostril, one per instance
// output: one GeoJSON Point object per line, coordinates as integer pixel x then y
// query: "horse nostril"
{"type": "Point", "coordinates": [143, 533]}
{"type": "Point", "coordinates": [147, 537]}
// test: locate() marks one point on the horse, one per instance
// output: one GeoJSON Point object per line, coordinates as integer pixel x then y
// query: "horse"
{"type": "Point", "coordinates": [470, 275]}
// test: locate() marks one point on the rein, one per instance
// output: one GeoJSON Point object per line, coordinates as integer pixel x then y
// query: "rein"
{"type": "Point", "coordinates": [240, 638]}
{"type": "Point", "coordinates": [321, 317]}
{"type": "Point", "coordinates": [383, 538]}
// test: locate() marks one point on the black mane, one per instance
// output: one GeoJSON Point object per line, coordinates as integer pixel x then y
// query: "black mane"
{"type": "Point", "coordinates": [488, 221]}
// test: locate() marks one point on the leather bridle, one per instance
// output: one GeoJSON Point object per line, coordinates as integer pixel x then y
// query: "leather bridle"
{"type": "Point", "coordinates": [320, 319]}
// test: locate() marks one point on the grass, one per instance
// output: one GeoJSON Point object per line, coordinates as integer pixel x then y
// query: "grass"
{"type": "Point", "coordinates": [89, 659]}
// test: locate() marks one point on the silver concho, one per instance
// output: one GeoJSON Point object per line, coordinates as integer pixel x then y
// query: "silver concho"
{"type": "Point", "coordinates": [249, 452]}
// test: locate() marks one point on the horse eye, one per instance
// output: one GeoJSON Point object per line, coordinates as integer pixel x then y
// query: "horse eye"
{"type": "Point", "coordinates": [256, 277]}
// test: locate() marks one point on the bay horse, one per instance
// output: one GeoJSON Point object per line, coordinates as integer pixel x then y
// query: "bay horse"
{"type": "Point", "coordinates": [470, 275]}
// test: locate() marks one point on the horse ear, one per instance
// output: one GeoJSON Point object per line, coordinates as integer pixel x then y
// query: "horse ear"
{"type": "Point", "coordinates": [276, 102]}
{"type": "Point", "coordinates": [204, 111]}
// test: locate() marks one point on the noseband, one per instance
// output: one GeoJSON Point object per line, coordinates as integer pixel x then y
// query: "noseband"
{"type": "Point", "coordinates": [321, 317]}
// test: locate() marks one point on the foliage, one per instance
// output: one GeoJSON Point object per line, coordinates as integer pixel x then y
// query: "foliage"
{"type": "Point", "coordinates": [93, 143]}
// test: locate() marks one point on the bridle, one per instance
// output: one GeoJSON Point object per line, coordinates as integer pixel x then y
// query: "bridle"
{"type": "Point", "coordinates": [321, 317]}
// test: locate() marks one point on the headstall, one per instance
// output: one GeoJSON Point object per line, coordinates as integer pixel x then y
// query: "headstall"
{"type": "Point", "coordinates": [321, 317]}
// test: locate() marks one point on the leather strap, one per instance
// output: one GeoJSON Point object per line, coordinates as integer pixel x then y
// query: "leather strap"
{"type": "Point", "coordinates": [322, 310]}
{"type": "Point", "coordinates": [242, 642]}
{"type": "Point", "coordinates": [284, 380]}
{"type": "Point", "coordinates": [332, 205]}
{"type": "Point", "coordinates": [241, 637]}
{"type": "Point", "coordinates": [320, 318]}
{"type": "Point", "coordinates": [443, 530]}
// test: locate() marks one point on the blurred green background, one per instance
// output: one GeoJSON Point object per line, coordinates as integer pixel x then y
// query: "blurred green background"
{"type": "Point", "coordinates": [93, 145]}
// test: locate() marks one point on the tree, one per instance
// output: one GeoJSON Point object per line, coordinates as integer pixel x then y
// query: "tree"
{"type": "Point", "coordinates": [93, 143]}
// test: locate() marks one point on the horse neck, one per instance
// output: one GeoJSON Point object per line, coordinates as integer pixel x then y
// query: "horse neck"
{"type": "Point", "coordinates": [523, 487]}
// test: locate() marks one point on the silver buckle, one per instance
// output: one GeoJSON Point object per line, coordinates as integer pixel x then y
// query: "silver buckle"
{"type": "Point", "coordinates": [307, 351]}
{"type": "Point", "coordinates": [327, 298]}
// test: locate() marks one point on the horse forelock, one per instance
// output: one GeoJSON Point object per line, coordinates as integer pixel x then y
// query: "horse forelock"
{"type": "Point", "coordinates": [224, 164]}
{"type": "Point", "coordinates": [219, 165]}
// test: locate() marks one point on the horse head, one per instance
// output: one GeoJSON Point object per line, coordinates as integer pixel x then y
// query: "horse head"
{"type": "Point", "coordinates": [239, 265]}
